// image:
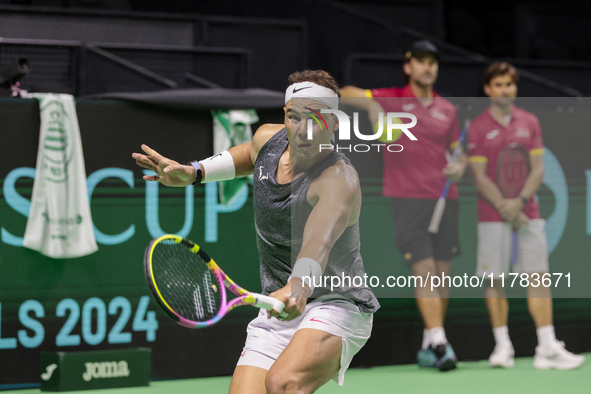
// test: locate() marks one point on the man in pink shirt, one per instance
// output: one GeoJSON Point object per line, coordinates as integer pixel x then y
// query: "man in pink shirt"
{"type": "Point", "coordinates": [500, 125]}
{"type": "Point", "coordinates": [414, 179]}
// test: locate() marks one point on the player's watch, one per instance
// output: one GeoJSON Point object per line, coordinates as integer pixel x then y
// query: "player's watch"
{"type": "Point", "coordinates": [198, 172]}
{"type": "Point", "coordinates": [523, 200]}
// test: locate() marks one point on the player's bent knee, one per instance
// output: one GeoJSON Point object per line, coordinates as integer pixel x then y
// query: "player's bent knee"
{"type": "Point", "coordinates": [277, 383]}
{"type": "Point", "coordinates": [273, 383]}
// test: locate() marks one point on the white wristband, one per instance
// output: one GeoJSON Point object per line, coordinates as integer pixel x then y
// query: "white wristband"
{"type": "Point", "coordinates": [218, 167]}
{"type": "Point", "coordinates": [309, 271]}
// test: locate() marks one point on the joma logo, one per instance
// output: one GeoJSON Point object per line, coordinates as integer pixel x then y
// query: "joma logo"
{"type": "Point", "coordinates": [48, 372]}
{"type": "Point", "coordinates": [106, 369]}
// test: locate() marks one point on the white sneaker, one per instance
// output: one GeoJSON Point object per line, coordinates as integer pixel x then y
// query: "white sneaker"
{"type": "Point", "coordinates": [503, 356]}
{"type": "Point", "coordinates": [557, 357]}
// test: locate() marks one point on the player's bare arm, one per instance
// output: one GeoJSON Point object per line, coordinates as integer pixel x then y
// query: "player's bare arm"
{"type": "Point", "coordinates": [336, 199]}
{"type": "Point", "coordinates": [510, 208]}
{"type": "Point", "coordinates": [485, 186]}
{"type": "Point", "coordinates": [454, 171]}
{"type": "Point", "coordinates": [168, 172]}
{"type": "Point", "coordinates": [172, 173]}
{"type": "Point", "coordinates": [491, 192]}
{"type": "Point", "coordinates": [260, 138]}
{"type": "Point", "coordinates": [352, 91]}
{"type": "Point", "coordinates": [357, 97]}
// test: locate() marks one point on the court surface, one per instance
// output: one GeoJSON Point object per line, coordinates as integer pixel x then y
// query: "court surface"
{"type": "Point", "coordinates": [470, 377]}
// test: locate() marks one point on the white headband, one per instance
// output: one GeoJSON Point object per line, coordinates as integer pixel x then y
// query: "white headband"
{"type": "Point", "coordinates": [312, 91]}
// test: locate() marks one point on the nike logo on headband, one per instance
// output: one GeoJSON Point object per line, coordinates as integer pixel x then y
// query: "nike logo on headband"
{"type": "Point", "coordinates": [297, 90]}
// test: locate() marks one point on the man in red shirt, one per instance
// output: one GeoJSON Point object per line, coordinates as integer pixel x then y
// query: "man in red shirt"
{"type": "Point", "coordinates": [415, 178]}
{"type": "Point", "coordinates": [500, 125]}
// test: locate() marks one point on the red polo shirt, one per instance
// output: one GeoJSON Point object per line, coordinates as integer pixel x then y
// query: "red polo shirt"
{"type": "Point", "coordinates": [416, 172]}
{"type": "Point", "coordinates": [487, 138]}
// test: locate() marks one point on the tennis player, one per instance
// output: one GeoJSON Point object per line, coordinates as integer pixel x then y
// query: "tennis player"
{"type": "Point", "coordinates": [415, 178]}
{"type": "Point", "coordinates": [307, 204]}
{"type": "Point", "coordinates": [501, 124]}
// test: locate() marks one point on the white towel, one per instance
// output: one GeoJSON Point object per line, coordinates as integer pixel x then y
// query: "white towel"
{"type": "Point", "coordinates": [60, 223]}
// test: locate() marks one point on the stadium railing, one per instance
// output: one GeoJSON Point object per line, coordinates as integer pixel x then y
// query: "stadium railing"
{"type": "Point", "coordinates": [90, 68]}
{"type": "Point", "coordinates": [120, 27]}
{"type": "Point", "coordinates": [383, 37]}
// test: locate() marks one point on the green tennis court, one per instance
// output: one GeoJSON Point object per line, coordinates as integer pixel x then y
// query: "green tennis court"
{"type": "Point", "coordinates": [470, 377]}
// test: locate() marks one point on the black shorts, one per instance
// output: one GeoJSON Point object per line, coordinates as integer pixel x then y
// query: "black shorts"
{"type": "Point", "coordinates": [411, 220]}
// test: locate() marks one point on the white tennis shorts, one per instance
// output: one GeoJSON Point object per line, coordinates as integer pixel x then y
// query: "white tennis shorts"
{"type": "Point", "coordinates": [494, 248]}
{"type": "Point", "coordinates": [266, 338]}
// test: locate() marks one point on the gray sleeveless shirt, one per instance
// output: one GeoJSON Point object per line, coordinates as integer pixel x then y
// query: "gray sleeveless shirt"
{"type": "Point", "coordinates": [281, 212]}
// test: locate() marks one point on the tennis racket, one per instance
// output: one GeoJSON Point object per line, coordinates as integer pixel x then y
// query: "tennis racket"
{"type": "Point", "coordinates": [440, 205]}
{"type": "Point", "coordinates": [191, 287]}
{"type": "Point", "coordinates": [513, 168]}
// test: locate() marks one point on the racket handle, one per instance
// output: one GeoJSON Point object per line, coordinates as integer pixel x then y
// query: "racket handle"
{"type": "Point", "coordinates": [268, 303]}
{"type": "Point", "coordinates": [437, 215]}
{"type": "Point", "coordinates": [514, 248]}
{"type": "Point", "coordinates": [440, 206]}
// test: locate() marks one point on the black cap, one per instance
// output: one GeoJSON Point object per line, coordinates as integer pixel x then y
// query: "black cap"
{"type": "Point", "coordinates": [420, 47]}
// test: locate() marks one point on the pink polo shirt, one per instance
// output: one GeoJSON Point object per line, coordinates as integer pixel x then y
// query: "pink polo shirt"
{"type": "Point", "coordinates": [486, 140]}
{"type": "Point", "coordinates": [416, 172]}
